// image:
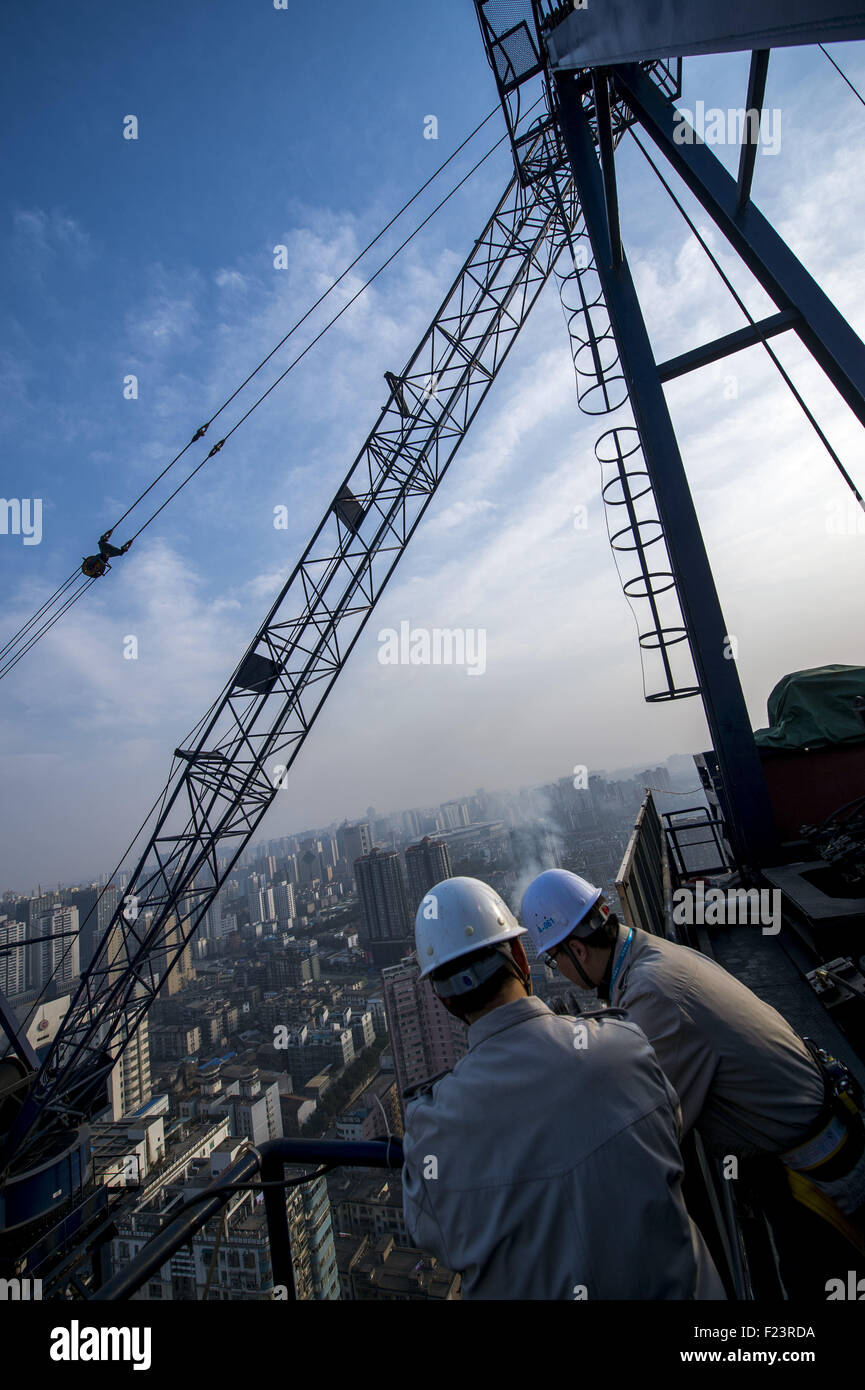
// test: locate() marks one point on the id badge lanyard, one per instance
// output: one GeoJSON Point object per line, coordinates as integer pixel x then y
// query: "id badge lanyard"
{"type": "Point", "coordinates": [620, 962]}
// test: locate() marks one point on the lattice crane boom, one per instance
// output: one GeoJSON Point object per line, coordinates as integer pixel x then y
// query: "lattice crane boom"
{"type": "Point", "coordinates": [220, 789]}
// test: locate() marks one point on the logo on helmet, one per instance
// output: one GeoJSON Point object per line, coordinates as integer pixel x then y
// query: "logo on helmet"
{"type": "Point", "coordinates": [546, 924]}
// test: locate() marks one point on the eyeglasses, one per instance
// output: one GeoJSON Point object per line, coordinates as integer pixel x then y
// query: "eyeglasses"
{"type": "Point", "coordinates": [550, 958]}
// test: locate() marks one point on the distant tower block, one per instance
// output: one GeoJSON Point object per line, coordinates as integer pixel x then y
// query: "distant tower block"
{"type": "Point", "coordinates": [387, 922]}
{"type": "Point", "coordinates": [426, 864]}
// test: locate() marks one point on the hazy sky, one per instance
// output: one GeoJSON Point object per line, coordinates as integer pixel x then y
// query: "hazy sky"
{"type": "Point", "coordinates": [305, 127]}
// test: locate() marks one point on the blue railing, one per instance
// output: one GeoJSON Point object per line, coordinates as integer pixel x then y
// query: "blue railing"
{"type": "Point", "coordinates": [267, 1163]}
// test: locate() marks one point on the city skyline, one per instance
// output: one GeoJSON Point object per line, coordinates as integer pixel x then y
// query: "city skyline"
{"type": "Point", "coordinates": [332, 826]}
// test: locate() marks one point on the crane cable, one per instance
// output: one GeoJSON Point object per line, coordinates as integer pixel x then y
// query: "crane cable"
{"type": "Point", "coordinates": [8, 653]}
{"type": "Point", "coordinates": [749, 316]}
{"type": "Point", "coordinates": [47, 625]}
{"type": "Point", "coordinates": [203, 429]}
{"type": "Point", "coordinates": [359, 257]}
{"type": "Point", "coordinates": [843, 74]}
{"type": "Point", "coordinates": [320, 334]}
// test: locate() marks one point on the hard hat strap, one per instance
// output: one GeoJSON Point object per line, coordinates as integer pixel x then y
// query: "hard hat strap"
{"type": "Point", "coordinates": [590, 984]}
{"type": "Point", "coordinates": [477, 973]}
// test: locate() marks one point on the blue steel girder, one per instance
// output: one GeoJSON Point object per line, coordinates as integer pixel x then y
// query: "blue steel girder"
{"type": "Point", "coordinates": [820, 325]}
{"type": "Point", "coordinates": [753, 829]}
{"type": "Point", "coordinates": [607, 32]}
{"type": "Point", "coordinates": [221, 788]}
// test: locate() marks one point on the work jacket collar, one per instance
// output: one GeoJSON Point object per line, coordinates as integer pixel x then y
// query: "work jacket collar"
{"type": "Point", "coordinates": [634, 950]}
{"type": "Point", "coordinates": [506, 1016]}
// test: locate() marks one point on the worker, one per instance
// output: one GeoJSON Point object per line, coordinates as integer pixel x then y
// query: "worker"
{"type": "Point", "coordinates": [94, 566]}
{"type": "Point", "coordinates": [546, 1164]}
{"type": "Point", "coordinates": [744, 1078]}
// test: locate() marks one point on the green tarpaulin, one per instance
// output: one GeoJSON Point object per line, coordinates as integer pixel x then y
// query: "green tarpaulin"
{"type": "Point", "coordinates": [812, 709]}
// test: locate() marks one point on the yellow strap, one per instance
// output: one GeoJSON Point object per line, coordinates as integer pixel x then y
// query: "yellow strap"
{"type": "Point", "coordinates": [811, 1197]}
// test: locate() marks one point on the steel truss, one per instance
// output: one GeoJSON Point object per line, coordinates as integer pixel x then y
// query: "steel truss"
{"type": "Point", "coordinates": [222, 788]}
{"type": "Point", "coordinates": [603, 71]}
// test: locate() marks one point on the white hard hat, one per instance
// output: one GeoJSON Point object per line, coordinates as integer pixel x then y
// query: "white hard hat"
{"type": "Point", "coordinates": [553, 906]}
{"type": "Point", "coordinates": [459, 916]}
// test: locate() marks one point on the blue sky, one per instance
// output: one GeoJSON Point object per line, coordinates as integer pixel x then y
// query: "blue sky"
{"type": "Point", "coordinates": [155, 257]}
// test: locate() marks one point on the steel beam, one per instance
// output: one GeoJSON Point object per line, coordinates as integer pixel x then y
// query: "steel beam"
{"type": "Point", "coordinates": [631, 31]}
{"type": "Point", "coordinates": [753, 829]}
{"type": "Point", "coordinates": [740, 338]}
{"type": "Point", "coordinates": [753, 102]}
{"type": "Point", "coordinates": [248, 741]}
{"type": "Point", "coordinates": [824, 331]}
{"type": "Point", "coordinates": [16, 1032]}
{"type": "Point", "coordinates": [601, 92]}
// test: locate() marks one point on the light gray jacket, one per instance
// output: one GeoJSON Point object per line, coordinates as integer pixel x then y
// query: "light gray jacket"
{"type": "Point", "coordinates": [546, 1165]}
{"type": "Point", "coordinates": [740, 1072]}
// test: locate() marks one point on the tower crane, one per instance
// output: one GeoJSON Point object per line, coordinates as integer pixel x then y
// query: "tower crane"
{"type": "Point", "coordinates": [600, 72]}
{"type": "Point", "coordinates": [222, 786]}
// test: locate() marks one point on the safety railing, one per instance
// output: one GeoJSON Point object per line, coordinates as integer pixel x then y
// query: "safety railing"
{"type": "Point", "coordinates": [267, 1164]}
{"type": "Point", "coordinates": [643, 882]}
{"type": "Point", "coordinates": [696, 843]}
{"type": "Point", "coordinates": [659, 856]}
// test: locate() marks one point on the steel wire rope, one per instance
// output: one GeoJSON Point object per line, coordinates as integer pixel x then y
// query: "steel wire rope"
{"type": "Point", "coordinates": [35, 618]}
{"type": "Point", "coordinates": [236, 426]}
{"type": "Point", "coordinates": [38, 614]}
{"type": "Point", "coordinates": [365, 286]}
{"type": "Point", "coordinates": [45, 628]}
{"type": "Point", "coordinates": [842, 73]}
{"type": "Point", "coordinates": [749, 316]}
{"type": "Point", "coordinates": [217, 447]}
{"type": "Point", "coordinates": [322, 297]}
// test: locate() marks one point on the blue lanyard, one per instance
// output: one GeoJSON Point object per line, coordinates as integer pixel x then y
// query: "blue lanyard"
{"type": "Point", "coordinates": [620, 962]}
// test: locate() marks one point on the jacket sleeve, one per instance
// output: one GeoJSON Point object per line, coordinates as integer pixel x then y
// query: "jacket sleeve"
{"type": "Point", "coordinates": [418, 1207]}
{"type": "Point", "coordinates": [685, 1057]}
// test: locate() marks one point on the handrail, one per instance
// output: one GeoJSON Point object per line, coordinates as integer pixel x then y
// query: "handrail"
{"type": "Point", "coordinates": [269, 1160]}
{"type": "Point", "coordinates": [644, 885]}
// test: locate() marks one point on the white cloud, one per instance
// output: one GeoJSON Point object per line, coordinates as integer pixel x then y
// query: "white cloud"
{"type": "Point", "coordinates": [497, 550]}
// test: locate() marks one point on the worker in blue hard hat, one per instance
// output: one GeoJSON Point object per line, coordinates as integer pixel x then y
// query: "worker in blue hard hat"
{"type": "Point", "coordinates": [546, 1164]}
{"type": "Point", "coordinates": [744, 1078]}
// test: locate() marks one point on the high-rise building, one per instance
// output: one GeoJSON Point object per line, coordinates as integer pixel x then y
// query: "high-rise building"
{"type": "Point", "coordinates": [427, 863]}
{"type": "Point", "coordinates": [129, 1082]}
{"type": "Point", "coordinates": [252, 891]}
{"type": "Point", "coordinates": [56, 959]}
{"type": "Point", "coordinates": [387, 921]}
{"type": "Point", "coordinates": [216, 919]}
{"type": "Point", "coordinates": [424, 1037]}
{"type": "Point", "coordinates": [456, 814]}
{"type": "Point", "coordinates": [13, 963]}
{"type": "Point", "coordinates": [310, 1228]}
{"type": "Point", "coordinates": [39, 905]}
{"type": "Point", "coordinates": [183, 967]}
{"type": "Point", "coordinates": [356, 841]}
{"type": "Point", "coordinates": [329, 851]}
{"type": "Point", "coordinates": [309, 861]}
{"type": "Point", "coordinates": [96, 906]}
{"type": "Point", "coordinates": [283, 903]}
{"type": "Point", "coordinates": [296, 964]}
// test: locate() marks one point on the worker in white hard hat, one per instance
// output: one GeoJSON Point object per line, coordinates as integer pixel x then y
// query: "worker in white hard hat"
{"type": "Point", "coordinates": [545, 1165]}
{"type": "Point", "coordinates": [743, 1076]}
